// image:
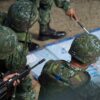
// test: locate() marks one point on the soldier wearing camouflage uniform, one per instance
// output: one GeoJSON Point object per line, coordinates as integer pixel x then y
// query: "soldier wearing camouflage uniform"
{"type": "Point", "coordinates": [60, 80]}
{"type": "Point", "coordinates": [20, 19]}
{"type": "Point", "coordinates": [19, 15]}
{"type": "Point", "coordinates": [13, 59]}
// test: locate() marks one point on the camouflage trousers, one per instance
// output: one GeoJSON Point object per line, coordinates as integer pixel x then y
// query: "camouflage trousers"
{"type": "Point", "coordinates": [45, 7]}
{"type": "Point", "coordinates": [44, 10]}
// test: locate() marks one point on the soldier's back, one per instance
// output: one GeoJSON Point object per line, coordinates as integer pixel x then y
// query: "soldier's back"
{"type": "Point", "coordinates": [61, 81]}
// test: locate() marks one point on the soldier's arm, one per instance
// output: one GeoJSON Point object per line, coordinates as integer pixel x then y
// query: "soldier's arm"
{"type": "Point", "coordinates": [66, 6]}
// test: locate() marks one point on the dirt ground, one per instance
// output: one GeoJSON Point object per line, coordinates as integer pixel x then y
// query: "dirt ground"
{"type": "Point", "coordinates": [87, 10]}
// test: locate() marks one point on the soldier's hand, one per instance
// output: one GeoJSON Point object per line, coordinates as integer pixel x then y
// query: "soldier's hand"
{"type": "Point", "coordinates": [17, 82]}
{"type": "Point", "coordinates": [72, 14]}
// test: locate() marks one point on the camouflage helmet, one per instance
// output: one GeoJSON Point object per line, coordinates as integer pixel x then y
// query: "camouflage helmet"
{"type": "Point", "coordinates": [85, 48]}
{"type": "Point", "coordinates": [21, 15]}
{"type": "Point", "coordinates": [8, 42]}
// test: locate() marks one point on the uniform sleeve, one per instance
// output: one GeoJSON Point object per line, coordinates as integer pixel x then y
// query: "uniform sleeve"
{"type": "Point", "coordinates": [64, 4]}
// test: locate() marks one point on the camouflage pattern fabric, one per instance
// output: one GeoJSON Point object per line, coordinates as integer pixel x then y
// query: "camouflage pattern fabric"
{"type": "Point", "coordinates": [8, 41]}
{"type": "Point", "coordinates": [2, 17]}
{"type": "Point", "coordinates": [18, 59]}
{"type": "Point", "coordinates": [14, 59]}
{"type": "Point", "coordinates": [58, 77]}
{"type": "Point", "coordinates": [44, 11]}
{"type": "Point", "coordinates": [85, 48]}
{"type": "Point", "coordinates": [46, 6]}
{"type": "Point", "coordinates": [25, 91]}
{"type": "Point", "coordinates": [16, 62]}
{"type": "Point", "coordinates": [22, 15]}
{"type": "Point", "coordinates": [19, 13]}
{"type": "Point", "coordinates": [64, 4]}
{"type": "Point", "coordinates": [22, 36]}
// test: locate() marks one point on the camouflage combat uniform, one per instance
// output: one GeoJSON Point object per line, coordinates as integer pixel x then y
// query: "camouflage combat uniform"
{"type": "Point", "coordinates": [13, 59]}
{"type": "Point", "coordinates": [45, 6]}
{"type": "Point", "coordinates": [61, 80]}
{"type": "Point", "coordinates": [87, 51]}
{"type": "Point", "coordinates": [20, 18]}
{"type": "Point", "coordinates": [24, 13]}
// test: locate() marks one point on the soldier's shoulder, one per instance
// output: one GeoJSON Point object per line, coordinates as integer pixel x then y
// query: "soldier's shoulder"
{"type": "Point", "coordinates": [56, 62]}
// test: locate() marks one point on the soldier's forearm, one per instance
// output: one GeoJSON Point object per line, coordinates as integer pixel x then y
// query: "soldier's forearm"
{"type": "Point", "coordinates": [64, 4]}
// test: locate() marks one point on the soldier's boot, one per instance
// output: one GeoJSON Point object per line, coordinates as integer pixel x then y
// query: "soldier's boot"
{"type": "Point", "coordinates": [48, 33]}
{"type": "Point", "coordinates": [33, 46]}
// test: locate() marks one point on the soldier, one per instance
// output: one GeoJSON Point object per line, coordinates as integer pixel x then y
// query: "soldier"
{"type": "Point", "coordinates": [60, 80]}
{"type": "Point", "coordinates": [19, 18]}
{"type": "Point", "coordinates": [45, 7]}
{"type": "Point", "coordinates": [19, 14]}
{"type": "Point", "coordinates": [13, 59]}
